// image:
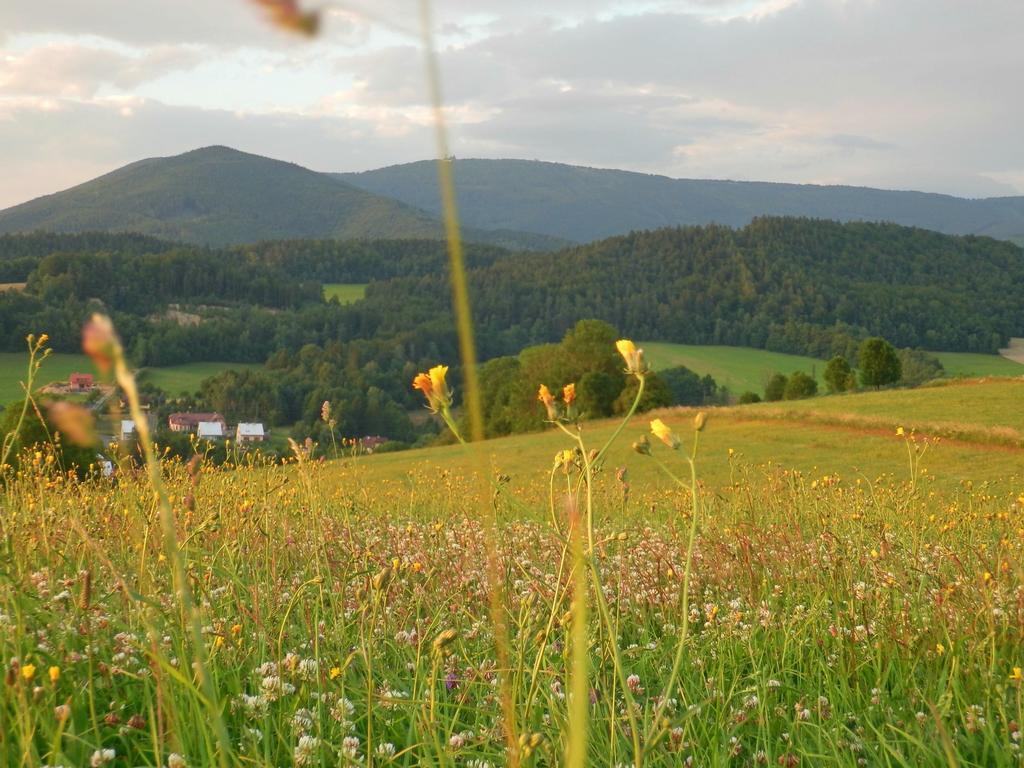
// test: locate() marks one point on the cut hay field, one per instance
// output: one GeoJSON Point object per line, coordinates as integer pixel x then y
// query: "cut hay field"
{"type": "Point", "coordinates": [345, 293]}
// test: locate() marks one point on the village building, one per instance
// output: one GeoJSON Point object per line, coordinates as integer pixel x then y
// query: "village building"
{"type": "Point", "coordinates": [80, 382]}
{"type": "Point", "coordinates": [127, 429]}
{"type": "Point", "coordinates": [210, 430]}
{"type": "Point", "coordinates": [189, 422]}
{"type": "Point", "coordinates": [249, 432]}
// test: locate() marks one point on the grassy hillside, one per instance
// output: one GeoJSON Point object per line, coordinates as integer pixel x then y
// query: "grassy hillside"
{"type": "Point", "coordinates": [185, 379]}
{"type": "Point", "coordinates": [741, 369]}
{"type": "Point", "coordinates": [852, 435]}
{"type": "Point", "coordinates": [57, 367]}
{"type": "Point", "coordinates": [970, 364]}
{"type": "Point", "coordinates": [586, 204]}
{"type": "Point", "coordinates": [175, 380]}
{"type": "Point", "coordinates": [220, 196]}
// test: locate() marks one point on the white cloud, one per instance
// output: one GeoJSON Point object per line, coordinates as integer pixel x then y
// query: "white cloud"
{"type": "Point", "coordinates": [900, 93]}
{"type": "Point", "coordinates": [77, 71]}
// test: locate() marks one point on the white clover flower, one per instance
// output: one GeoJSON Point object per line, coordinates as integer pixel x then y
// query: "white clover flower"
{"type": "Point", "coordinates": [101, 757]}
{"type": "Point", "coordinates": [302, 720]}
{"type": "Point", "coordinates": [350, 747]}
{"type": "Point", "coordinates": [305, 750]}
{"type": "Point", "coordinates": [308, 669]}
{"type": "Point", "coordinates": [174, 760]}
{"type": "Point", "coordinates": [386, 750]}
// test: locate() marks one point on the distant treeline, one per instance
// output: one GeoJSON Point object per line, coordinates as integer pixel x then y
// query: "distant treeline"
{"type": "Point", "coordinates": [795, 285]}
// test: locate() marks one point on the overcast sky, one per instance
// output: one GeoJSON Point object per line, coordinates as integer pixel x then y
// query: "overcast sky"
{"type": "Point", "coordinates": [908, 94]}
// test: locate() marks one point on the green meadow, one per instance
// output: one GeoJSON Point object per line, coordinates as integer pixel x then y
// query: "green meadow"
{"type": "Point", "coordinates": [186, 378]}
{"type": "Point", "coordinates": [345, 293]}
{"type": "Point", "coordinates": [744, 369]}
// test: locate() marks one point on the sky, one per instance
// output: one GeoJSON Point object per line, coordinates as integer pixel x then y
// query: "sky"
{"type": "Point", "coordinates": [899, 94]}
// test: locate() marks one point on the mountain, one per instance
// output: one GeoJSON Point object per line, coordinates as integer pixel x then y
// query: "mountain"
{"type": "Point", "coordinates": [586, 204]}
{"type": "Point", "coordinates": [220, 196]}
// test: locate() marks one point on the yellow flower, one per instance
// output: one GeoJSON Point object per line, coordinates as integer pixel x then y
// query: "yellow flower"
{"type": "Point", "coordinates": [634, 357]}
{"type": "Point", "coordinates": [569, 394]}
{"type": "Point", "coordinates": [335, 673]}
{"type": "Point", "coordinates": [940, 649]}
{"type": "Point", "coordinates": [236, 629]}
{"type": "Point", "coordinates": [287, 15]}
{"type": "Point", "coordinates": [1016, 675]}
{"type": "Point", "coordinates": [663, 432]}
{"type": "Point", "coordinates": [434, 388]}
{"type": "Point", "coordinates": [899, 431]}
{"type": "Point", "coordinates": [54, 674]}
{"type": "Point", "coordinates": [28, 671]}
{"type": "Point", "coordinates": [544, 396]}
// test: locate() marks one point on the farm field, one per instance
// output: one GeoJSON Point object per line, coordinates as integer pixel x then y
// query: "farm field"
{"type": "Point", "coordinates": [345, 293]}
{"type": "Point", "coordinates": [177, 379]}
{"type": "Point", "coordinates": [340, 612]}
{"type": "Point", "coordinates": [740, 369]}
{"type": "Point", "coordinates": [745, 369]}
{"type": "Point", "coordinates": [186, 378]}
{"type": "Point", "coordinates": [57, 367]}
{"type": "Point", "coordinates": [971, 365]}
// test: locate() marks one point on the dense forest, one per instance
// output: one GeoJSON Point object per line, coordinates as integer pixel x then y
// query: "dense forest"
{"type": "Point", "coordinates": [791, 285]}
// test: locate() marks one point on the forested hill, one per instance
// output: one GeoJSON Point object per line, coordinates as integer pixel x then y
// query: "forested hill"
{"type": "Point", "coordinates": [585, 204]}
{"type": "Point", "coordinates": [220, 196]}
{"type": "Point", "coordinates": [786, 284]}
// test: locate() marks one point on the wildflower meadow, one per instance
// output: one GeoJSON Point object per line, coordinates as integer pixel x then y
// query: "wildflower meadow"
{"type": "Point", "coordinates": [260, 614]}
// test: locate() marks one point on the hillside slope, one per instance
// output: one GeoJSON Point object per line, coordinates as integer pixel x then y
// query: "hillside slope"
{"type": "Point", "coordinates": [220, 196]}
{"type": "Point", "coordinates": [802, 286]}
{"type": "Point", "coordinates": [585, 204]}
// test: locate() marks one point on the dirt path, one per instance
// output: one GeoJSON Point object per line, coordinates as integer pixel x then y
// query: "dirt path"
{"type": "Point", "coordinates": [1015, 351]}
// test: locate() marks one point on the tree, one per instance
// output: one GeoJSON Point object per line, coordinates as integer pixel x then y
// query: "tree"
{"type": "Point", "coordinates": [687, 387]}
{"type": "Point", "coordinates": [800, 385]}
{"type": "Point", "coordinates": [656, 395]}
{"type": "Point", "coordinates": [749, 397]}
{"type": "Point", "coordinates": [596, 392]}
{"type": "Point", "coordinates": [775, 387]}
{"type": "Point", "coordinates": [839, 375]}
{"type": "Point", "coordinates": [36, 433]}
{"type": "Point", "coordinates": [878, 362]}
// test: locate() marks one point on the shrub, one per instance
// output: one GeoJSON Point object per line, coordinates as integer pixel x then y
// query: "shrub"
{"type": "Point", "coordinates": [800, 385]}
{"type": "Point", "coordinates": [775, 387]}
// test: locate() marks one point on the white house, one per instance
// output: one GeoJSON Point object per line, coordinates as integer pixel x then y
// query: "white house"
{"type": "Point", "coordinates": [106, 465]}
{"type": "Point", "coordinates": [127, 429]}
{"type": "Point", "coordinates": [249, 433]}
{"type": "Point", "coordinates": [210, 430]}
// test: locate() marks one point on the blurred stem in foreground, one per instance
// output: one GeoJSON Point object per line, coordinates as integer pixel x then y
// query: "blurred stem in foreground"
{"type": "Point", "coordinates": [102, 344]}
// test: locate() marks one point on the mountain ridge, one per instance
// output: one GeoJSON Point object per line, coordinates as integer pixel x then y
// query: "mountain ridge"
{"type": "Point", "coordinates": [220, 196]}
{"type": "Point", "coordinates": [585, 204]}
